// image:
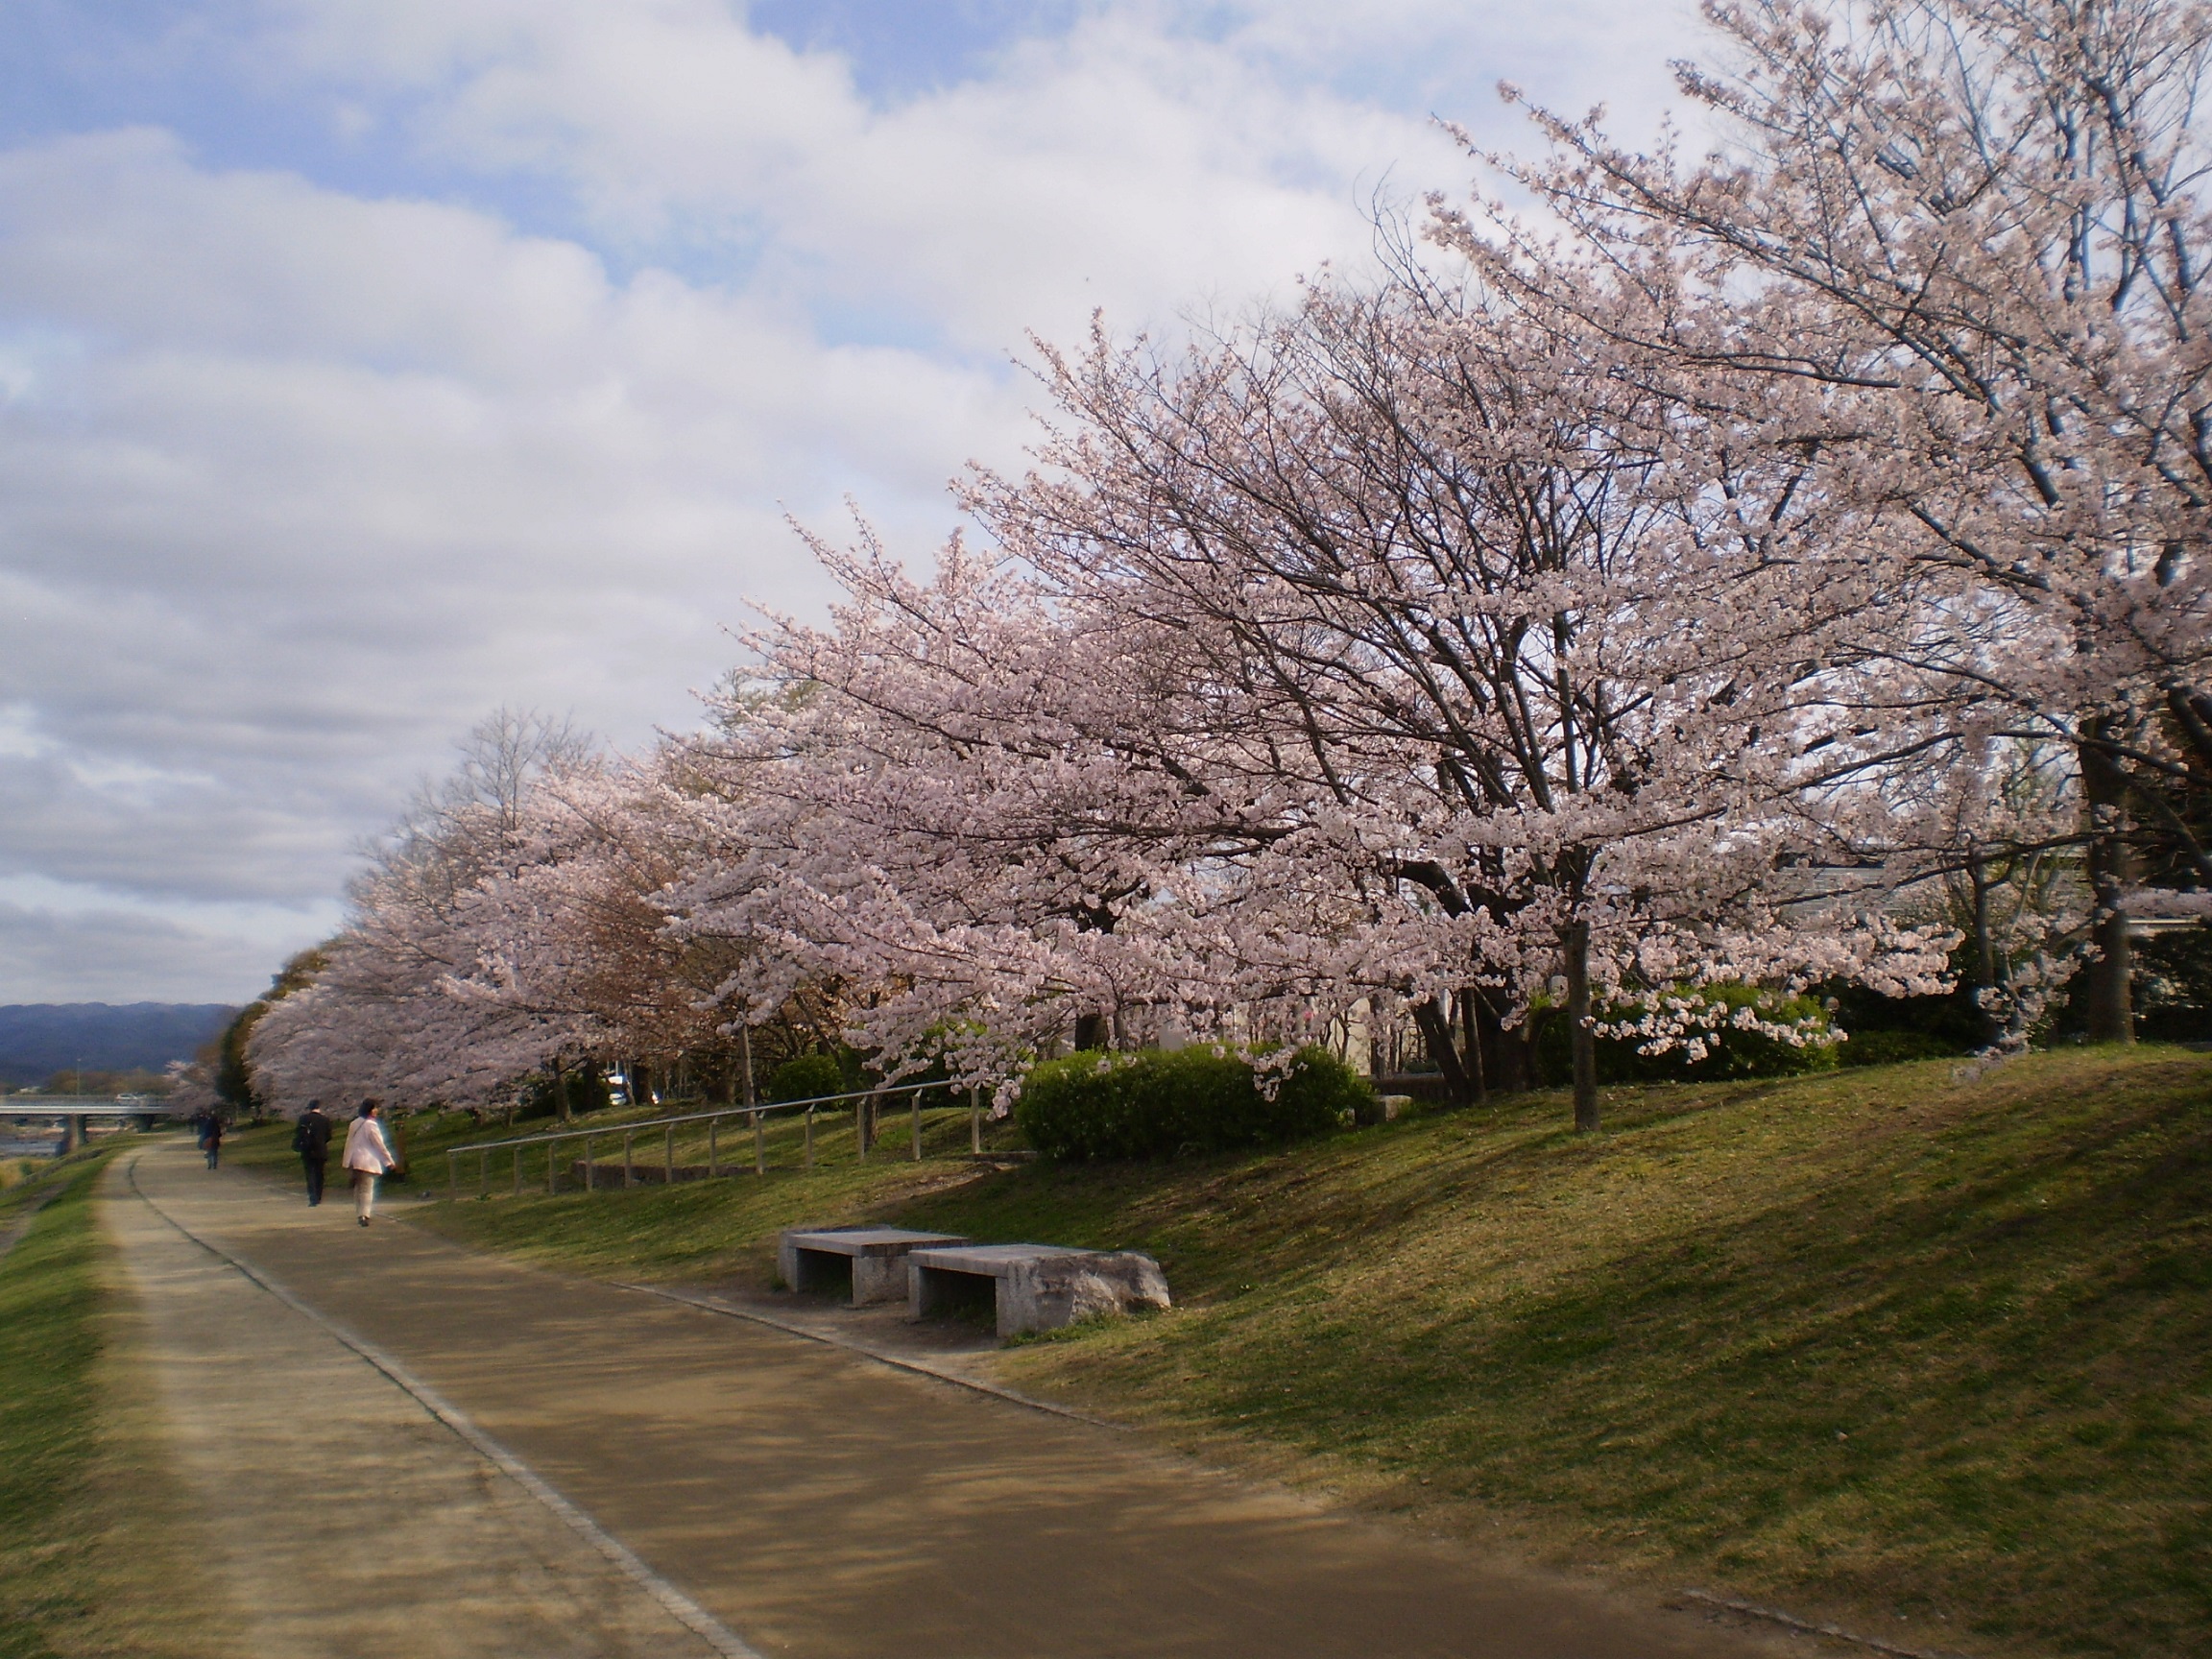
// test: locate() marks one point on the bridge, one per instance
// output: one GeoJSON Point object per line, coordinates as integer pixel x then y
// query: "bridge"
{"type": "Point", "coordinates": [74, 1111]}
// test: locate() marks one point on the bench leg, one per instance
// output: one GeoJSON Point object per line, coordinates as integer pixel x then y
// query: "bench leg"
{"type": "Point", "coordinates": [925, 1291]}
{"type": "Point", "coordinates": [880, 1279]}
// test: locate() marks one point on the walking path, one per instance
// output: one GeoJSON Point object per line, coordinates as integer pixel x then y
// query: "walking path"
{"type": "Point", "coordinates": [343, 1519]}
{"type": "Point", "coordinates": [770, 1493]}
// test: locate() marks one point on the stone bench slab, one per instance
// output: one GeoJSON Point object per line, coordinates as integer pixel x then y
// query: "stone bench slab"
{"type": "Point", "coordinates": [1035, 1287]}
{"type": "Point", "coordinates": [876, 1258]}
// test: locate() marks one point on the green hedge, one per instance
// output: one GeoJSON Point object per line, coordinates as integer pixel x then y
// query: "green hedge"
{"type": "Point", "coordinates": [810, 1077]}
{"type": "Point", "coordinates": [1729, 1052]}
{"type": "Point", "coordinates": [1157, 1104]}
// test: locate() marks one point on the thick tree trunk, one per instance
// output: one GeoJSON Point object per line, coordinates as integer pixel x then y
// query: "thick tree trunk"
{"type": "Point", "coordinates": [1984, 953]}
{"type": "Point", "coordinates": [1435, 1023]}
{"type": "Point", "coordinates": [1091, 1031]}
{"type": "Point", "coordinates": [1471, 1027]}
{"type": "Point", "coordinates": [745, 1060]}
{"type": "Point", "coordinates": [1508, 1057]}
{"type": "Point", "coordinates": [2103, 789]}
{"type": "Point", "coordinates": [1582, 1040]}
{"type": "Point", "coordinates": [715, 1081]}
{"type": "Point", "coordinates": [559, 1093]}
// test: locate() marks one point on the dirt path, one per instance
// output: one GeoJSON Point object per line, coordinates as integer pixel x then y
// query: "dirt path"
{"type": "Point", "coordinates": [812, 1502]}
{"type": "Point", "coordinates": [342, 1518]}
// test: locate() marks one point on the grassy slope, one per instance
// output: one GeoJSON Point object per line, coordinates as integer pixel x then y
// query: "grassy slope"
{"type": "Point", "coordinates": [93, 1557]}
{"type": "Point", "coordinates": [1932, 1355]}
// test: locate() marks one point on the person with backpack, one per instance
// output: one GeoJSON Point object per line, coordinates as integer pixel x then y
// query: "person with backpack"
{"type": "Point", "coordinates": [311, 1139]}
{"type": "Point", "coordinates": [367, 1157]}
{"type": "Point", "coordinates": [212, 1137]}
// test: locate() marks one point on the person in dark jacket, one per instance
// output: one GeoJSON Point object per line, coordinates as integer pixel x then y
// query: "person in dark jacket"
{"type": "Point", "coordinates": [212, 1137]}
{"type": "Point", "coordinates": [311, 1139]}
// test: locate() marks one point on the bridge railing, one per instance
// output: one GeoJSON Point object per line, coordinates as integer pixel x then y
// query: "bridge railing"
{"type": "Point", "coordinates": [82, 1106]}
{"type": "Point", "coordinates": [865, 1103]}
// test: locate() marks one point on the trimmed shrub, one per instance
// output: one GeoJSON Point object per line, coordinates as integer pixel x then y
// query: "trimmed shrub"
{"type": "Point", "coordinates": [810, 1077]}
{"type": "Point", "coordinates": [1157, 1104]}
{"type": "Point", "coordinates": [584, 1086]}
{"type": "Point", "coordinates": [2173, 985]}
{"type": "Point", "coordinates": [1729, 1052]}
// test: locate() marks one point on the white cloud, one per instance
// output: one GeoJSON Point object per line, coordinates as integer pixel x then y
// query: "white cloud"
{"type": "Point", "coordinates": [300, 477]}
{"type": "Point", "coordinates": [1124, 162]}
{"type": "Point", "coordinates": [267, 552]}
{"type": "Point", "coordinates": [62, 943]}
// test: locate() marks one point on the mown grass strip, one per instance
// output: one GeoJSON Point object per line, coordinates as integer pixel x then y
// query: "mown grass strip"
{"type": "Point", "coordinates": [49, 1343]}
{"type": "Point", "coordinates": [95, 1552]}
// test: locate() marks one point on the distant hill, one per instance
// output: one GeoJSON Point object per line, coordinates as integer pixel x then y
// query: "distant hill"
{"type": "Point", "coordinates": [39, 1039]}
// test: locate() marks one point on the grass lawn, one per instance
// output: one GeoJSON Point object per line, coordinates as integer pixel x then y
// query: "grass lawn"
{"type": "Point", "coordinates": [1929, 1357]}
{"type": "Point", "coordinates": [95, 1559]}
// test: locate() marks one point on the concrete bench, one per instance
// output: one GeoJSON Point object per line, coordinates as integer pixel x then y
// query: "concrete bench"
{"type": "Point", "coordinates": [870, 1260]}
{"type": "Point", "coordinates": [1032, 1287]}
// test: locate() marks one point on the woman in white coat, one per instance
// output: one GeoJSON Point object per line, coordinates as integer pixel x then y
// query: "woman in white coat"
{"type": "Point", "coordinates": [367, 1157]}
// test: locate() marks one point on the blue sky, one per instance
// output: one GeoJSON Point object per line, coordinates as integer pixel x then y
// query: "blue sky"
{"type": "Point", "coordinates": [366, 365]}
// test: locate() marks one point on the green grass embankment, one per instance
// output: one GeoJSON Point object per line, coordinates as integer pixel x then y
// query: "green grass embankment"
{"type": "Point", "coordinates": [1930, 1357]}
{"type": "Point", "coordinates": [95, 1555]}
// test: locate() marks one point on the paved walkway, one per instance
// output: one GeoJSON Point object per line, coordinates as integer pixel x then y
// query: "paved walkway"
{"type": "Point", "coordinates": [768, 1493]}
{"type": "Point", "coordinates": [343, 1520]}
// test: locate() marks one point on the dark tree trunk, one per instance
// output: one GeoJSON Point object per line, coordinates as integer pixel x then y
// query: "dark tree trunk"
{"type": "Point", "coordinates": [2103, 790]}
{"type": "Point", "coordinates": [1435, 1023]}
{"type": "Point", "coordinates": [714, 1080]}
{"type": "Point", "coordinates": [1985, 952]}
{"type": "Point", "coordinates": [1470, 1028]}
{"type": "Point", "coordinates": [559, 1093]}
{"type": "Point", "coordinates": [1582, 1041]}
{"type": "Point", "coordinates": [1091, 1031]}
{"type": "Point", "coordinates": [1508, 1057]}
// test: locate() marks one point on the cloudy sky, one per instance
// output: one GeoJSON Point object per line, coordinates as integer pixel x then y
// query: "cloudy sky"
{"type": "Point", "coordinates": [366, 365]}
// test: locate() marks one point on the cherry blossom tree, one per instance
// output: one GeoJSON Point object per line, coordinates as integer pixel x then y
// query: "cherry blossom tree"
{"type": "Point", "coordinates": [1401, 649]}
{"type": "Point", "coordinates": [1969, 237]}
{"type": "Point", "coordinates": [386, 1013]}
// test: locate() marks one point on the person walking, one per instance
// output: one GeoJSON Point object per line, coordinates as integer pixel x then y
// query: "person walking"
{"type": "Point", "coordinates": [212, 1139]}
{"type": "Point", "coordinates": [311, 1139]}
{"type": "Point", "coordinates": [367, 1157]}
